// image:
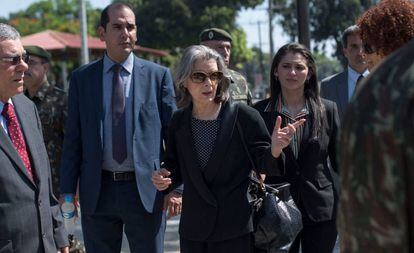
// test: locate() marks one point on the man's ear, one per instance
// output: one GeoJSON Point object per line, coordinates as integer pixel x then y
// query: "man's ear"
{"type": "Point", "coordinates": [101, 33]}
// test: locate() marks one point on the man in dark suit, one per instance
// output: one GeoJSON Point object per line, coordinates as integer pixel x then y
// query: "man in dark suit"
{"type": "Point", "coordinates": [340, 87]}
{"type": "Point", "coordinates": [30, 219]}
{"type": "Point", "coordinates": [119, 109]}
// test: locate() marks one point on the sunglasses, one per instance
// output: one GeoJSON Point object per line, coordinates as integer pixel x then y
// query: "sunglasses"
{"type": "Point", "coordinates": [200, 77]}
{"type": "Point", "coordinates": [14, 60]}
{"type": "Point", "coordinates": [368, 49]}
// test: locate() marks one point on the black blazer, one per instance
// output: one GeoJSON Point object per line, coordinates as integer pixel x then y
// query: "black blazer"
{"type": "Point", "coordinates": [310, 175]}
{"type": "Point", "coordinates": [215, 204]}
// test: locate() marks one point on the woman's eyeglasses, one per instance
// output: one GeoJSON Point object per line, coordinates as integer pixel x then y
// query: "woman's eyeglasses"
{"type": "Point", "coordinates": [368, 49]}
{"type": "Point", "coordinates": [200, 77]}
{"type": "Point", "coordinates": [14, 60]}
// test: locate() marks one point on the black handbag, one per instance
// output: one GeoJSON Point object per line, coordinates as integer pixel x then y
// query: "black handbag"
{"type": "Point", "coordinates": [276, 218]}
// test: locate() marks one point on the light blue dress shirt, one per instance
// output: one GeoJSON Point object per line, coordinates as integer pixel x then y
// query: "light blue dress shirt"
{"type": "Point", "coordinates": [126, 75]}
{"type": "Point", "coordinates": [352, 79]}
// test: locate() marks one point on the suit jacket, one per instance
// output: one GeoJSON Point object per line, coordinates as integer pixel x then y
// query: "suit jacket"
{"type": "Point", "coordinates": [153, 105]}
{"type": "Point", "coordinates": [310, 174]}
{"type": "Point", "coordinates": [215, 204]}
{"type": "Point", "coordinates": [30, 218]}
{"type": "Point", "coordinates": [335, 88]}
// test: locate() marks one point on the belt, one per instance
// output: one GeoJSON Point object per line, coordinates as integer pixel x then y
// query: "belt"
{"type": "Point", "coordinates": [119, 175]}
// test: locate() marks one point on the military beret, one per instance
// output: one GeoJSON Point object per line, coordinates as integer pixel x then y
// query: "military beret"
{"type": "Point", "coordinates": [215, 34]}
{"type": "Point", "coordinates": [37, 51]}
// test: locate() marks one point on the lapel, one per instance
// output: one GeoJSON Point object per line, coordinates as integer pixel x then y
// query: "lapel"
{"type": "Point", "coordinates": [28, 127]}
{"type": "Point", "coordinates": [306, 138]}
{"type": "Point", "coordinates": [342, 91]}
{"type": "Point", "coordinates": [228, 121]}
{"type": "Point", "coordinates": [187, 152]}
{"type": "Point", "coordinates": [139, 84]}
{"type": "Point", "coordinates": [94, 78]}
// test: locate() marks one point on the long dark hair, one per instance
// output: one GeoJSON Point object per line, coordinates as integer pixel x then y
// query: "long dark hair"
{"type": "Point", "coordinates": [311, 90]}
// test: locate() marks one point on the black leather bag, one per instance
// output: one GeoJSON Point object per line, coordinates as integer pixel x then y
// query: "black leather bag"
{"type": "Point", "coordinates": [276, 218]}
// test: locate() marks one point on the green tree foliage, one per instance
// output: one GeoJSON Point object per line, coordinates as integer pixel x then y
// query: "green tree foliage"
{"type": "Point", "coordinates": [176, 24]}
{"type": "Point", "coordinates": [328, 19]}
{"type": "Point", "coordinates": [59, 15]}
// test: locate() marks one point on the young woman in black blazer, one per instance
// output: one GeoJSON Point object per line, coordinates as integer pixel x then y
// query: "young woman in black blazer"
{"type": "Point", "coordinates": [205, 153]}
{"type": "Point", "coordinates": [310, 157]}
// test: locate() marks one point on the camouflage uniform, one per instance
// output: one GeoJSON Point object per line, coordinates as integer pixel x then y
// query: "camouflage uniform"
{"type": "Point", "coordinates": [51, 103]}
{"type": "Point", "coordinates": [377, 161]}
{"type": "Point", "coordinates": [239, 90]}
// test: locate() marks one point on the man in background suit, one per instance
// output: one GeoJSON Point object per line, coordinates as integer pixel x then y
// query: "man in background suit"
{"type": "Point", "coordinates": [30, 219]}
{"type": "Point", "coordinates": [119, 108]}
{"type": "Point", "coordinates": [340, 87]}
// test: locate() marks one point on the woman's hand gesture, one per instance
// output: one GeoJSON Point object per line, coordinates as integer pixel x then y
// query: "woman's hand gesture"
{"type": "Point", "coordinates": [160, 179]}
{"type": "Point", "coordinates": [281, 137]}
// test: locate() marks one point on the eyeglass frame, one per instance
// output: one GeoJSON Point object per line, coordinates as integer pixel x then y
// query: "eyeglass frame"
{"type": "Point", "coordinates": [206, 75]}
{"type": "Point", "coordinates": [15, 60]}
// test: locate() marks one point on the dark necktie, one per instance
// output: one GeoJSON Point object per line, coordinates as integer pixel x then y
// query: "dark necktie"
{"type": "Point", "coordinates": [16, 136]}
{"type": "Point", "coordinates": [360, 78]}
{"type": "Point", "coordinates": [119, 151]}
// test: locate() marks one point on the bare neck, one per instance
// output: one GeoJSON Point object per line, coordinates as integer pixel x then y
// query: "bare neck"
{"type": "Point", "coordinates": [294, 101]}
{"type": "Point", "coordinates": [209, 111]}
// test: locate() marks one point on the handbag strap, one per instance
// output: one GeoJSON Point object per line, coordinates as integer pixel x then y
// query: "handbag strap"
{"type": "Point", "coordinates": [254, 178]}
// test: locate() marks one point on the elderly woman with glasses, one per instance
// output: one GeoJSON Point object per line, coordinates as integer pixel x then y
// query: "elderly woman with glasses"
{"type": "Point", "coordinates": [205, 153]}
{"type": "Point", "coordinates": [386, 27]}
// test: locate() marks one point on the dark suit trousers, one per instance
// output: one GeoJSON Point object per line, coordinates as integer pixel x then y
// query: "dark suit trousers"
{"type": "Point", "coordinates": [316, 237]}
{"type": "Point", "coordinates": [120, 208]}
{"type": "Point", "coordinates": [242, 244]}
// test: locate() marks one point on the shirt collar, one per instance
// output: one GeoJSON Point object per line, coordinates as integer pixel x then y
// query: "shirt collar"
{"type": "Point", "coordinates": [127, 65]}
{"type": "Point", "coordinates": [282, 109]}
{"type": "Point", "coordinates": [2, 105]}
{"type": "Point", "coordinates": [353, 74]}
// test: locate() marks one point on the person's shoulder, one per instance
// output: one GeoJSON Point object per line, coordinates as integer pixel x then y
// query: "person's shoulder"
{"type": "Point", "coordinates": [236, 76]}
{"type": "Point", "coordinates": [22, 99]}
{"type": "Point", "coordinates": [88, 68]}
{"type": "Point", "coordinates": [57, 91]}
{"type": "Point", "coordinates": [246, 111]}
{"type": "Point", "coordinates": [149, 64]}
{"type": "Point", "coordinates": [333, 77]}
{"type": "Point", "coordinates": [261, 105]}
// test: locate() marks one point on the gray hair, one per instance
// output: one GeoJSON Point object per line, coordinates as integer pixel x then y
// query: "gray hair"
{"type": "Point", "coordinates": [185, 68]}
{"type": "Point", "coordinates": [353, 29]}
{"type": "Point", "coordinates": [8, 32]}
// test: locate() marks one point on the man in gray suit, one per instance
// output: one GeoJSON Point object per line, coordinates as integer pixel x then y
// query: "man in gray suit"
{"type": "Point", "coordinates": [30, 219]}
{"type": "Point", "coordinates": [340, 87]}
{"type": "Point", "coordinates": [119, 108]}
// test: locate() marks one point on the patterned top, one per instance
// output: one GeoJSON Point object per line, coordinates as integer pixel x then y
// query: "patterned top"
{"type": "Point", "coordinates": [239, 89]}
{"type": "Point", "coordinates": [204, 136]}
{"type": "Point", "coordinates": [287, 118]}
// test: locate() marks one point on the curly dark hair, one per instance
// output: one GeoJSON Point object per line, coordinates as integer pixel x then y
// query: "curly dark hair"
{"type": "Point", "coordinates": [388, 25]}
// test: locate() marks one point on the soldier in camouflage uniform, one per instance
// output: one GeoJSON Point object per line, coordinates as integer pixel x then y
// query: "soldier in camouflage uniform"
{"type": "Point", "coordinates": [377, 143]}
{"type": "Point", "coordinates": [377, 161]}
{"type": "Point", "coordinates": [51, 103]}
{"type": "Point", "coordinates": [220, 41]}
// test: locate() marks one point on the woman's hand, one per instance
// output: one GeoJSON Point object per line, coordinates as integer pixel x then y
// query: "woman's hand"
{"type": "Point", "coordinates": [281, 137]}
{"type": "Point", "coordinates": [160, 179]}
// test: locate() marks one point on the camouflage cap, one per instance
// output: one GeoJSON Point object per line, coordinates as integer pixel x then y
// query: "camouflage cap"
{"type": "Point", "coordinates": [38, 51]}
{"type": "Point", "coordinates": [215, 34]}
